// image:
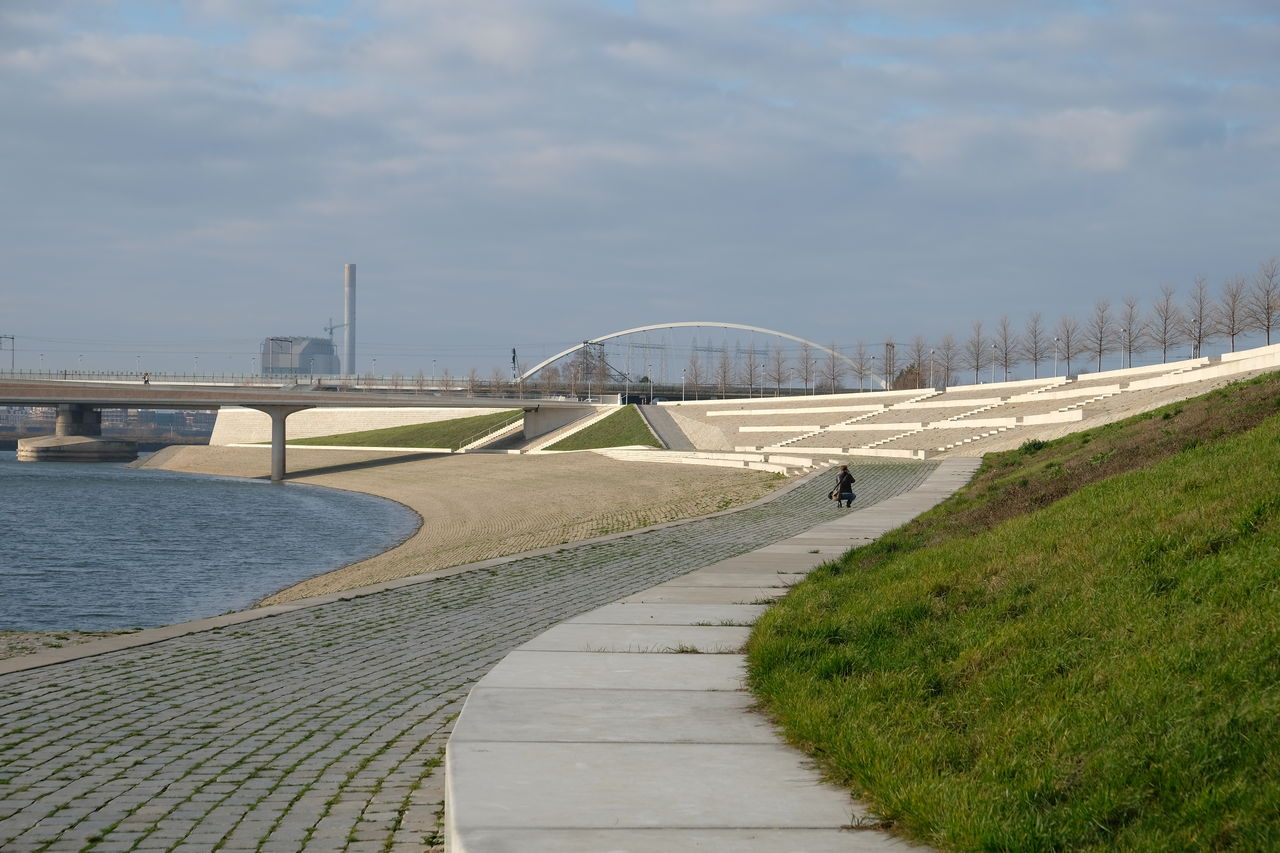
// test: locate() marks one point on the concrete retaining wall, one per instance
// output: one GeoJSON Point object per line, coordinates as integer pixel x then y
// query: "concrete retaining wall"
{"type": "Point", "coordinates": [236, 425]}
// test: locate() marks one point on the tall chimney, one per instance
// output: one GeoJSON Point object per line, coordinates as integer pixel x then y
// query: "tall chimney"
{"type": "Point", "coordinates": [349, 329]}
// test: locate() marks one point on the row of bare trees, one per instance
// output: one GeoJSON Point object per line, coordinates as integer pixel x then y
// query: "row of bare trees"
{"type": "Point", "coordinates": [1240, 307]}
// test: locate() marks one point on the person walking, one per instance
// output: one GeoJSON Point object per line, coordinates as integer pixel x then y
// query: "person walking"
{"type": "Point", "coordinates": [844, 487]}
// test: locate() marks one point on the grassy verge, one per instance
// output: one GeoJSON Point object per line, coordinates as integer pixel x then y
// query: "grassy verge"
{"type": "Point", "coordinates": [452, 434]}
{"type": "Point", "coordinates": [1079, 652]}
{"type": "Point", "coordinates": [624, 428]}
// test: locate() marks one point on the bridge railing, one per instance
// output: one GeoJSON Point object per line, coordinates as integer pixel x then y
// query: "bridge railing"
{"type": "Point", "coordinates": [483, 434]}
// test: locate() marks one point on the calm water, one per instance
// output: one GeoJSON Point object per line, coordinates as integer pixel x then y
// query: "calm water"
{"type": "Point", "coordinates": [103, 546]}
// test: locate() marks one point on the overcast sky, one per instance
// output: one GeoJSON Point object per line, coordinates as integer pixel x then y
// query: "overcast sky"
{"type": "Point", "coordinates": [179, 180]}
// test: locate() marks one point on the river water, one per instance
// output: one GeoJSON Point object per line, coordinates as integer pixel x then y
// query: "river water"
{"type": "Point", "coordinates": [105, 546]}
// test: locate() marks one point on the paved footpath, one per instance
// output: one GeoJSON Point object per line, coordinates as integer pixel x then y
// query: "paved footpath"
{"type": "Point", "coordinates": [322, 728]}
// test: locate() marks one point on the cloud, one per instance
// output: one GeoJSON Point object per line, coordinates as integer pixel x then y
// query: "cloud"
{"type": "Point", "coordinates": [558, 162]}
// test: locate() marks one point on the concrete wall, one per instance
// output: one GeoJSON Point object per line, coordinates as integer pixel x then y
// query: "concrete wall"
{"type": "Point", "coordinates": [237, 425]}
{"type": "Point", "coordinates": [543, 421]}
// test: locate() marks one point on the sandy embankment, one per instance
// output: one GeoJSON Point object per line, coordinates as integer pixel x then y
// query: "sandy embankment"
{"type": "Point", "coordinates": [479, 506]}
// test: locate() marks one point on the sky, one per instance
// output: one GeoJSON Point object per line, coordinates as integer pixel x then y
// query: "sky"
{"type": "Point", "coordinates": [180, 180]}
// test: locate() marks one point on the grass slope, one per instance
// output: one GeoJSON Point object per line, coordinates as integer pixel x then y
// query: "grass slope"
{"type": "Point", "coordinates": [451, 433]}
{"type": "Point", "coordinates": [1081, 651]}
{"type": "Point", "coordinates": [624, 428]}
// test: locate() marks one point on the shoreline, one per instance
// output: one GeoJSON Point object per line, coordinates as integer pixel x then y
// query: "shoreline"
{"type": "Point", "coordinates": [471, 507]}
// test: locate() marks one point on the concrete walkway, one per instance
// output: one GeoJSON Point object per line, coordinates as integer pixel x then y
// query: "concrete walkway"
{"type": "Point", "coordinates": [319, 726]}
{"type": "Point", "coordinates": [627, 729]}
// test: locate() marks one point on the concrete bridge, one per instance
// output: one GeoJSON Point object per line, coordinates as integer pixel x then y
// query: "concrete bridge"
{"type": "Point", "coordinates": [80, 404]}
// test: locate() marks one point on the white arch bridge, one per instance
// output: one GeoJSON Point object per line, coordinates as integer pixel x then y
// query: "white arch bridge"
{"type": "Point", "coordinates": [683, 325]}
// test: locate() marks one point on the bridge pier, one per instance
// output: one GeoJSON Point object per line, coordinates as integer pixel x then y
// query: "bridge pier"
{"type": "Point", "coordinates": [78, 419]}
{"type": "Point", "coordinates": [278, 415]}
{"type": "Point", "coordinates": [77, 437]}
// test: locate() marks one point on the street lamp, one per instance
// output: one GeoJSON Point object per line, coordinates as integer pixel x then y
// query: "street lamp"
{"type": "Point", "coordinates": [1055, 357]}
{"type": "Point", "coordinates": [649, 370]}
{"type": "Point", "coordinates": [873, 373]}
{"type": "Point", "coordinates": [931, 385]}
{"type": "Point", "coordinates": [993, 362]}
{"type": "Point", "coordinates": [682, 377]}
{"type": "Point", "coordinates": [195, 366]}
{"type": "Point", "coordinates": [1124, 332]}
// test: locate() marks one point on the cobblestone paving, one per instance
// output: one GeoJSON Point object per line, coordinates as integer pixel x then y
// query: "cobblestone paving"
{"type": "Point", "coordinates": [321, 729]}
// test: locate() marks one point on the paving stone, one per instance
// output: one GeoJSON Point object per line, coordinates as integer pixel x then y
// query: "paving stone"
{"type": "Point", "coordinates": [335, 700]}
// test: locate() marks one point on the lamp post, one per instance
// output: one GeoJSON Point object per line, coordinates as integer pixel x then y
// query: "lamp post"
{"type": "Point", "coordinates": [682, 378]}
{"type": "Point", "coordinates": [649, 371]}
{"type": "Point", "coordinates": [195, 366]}
{"type": "Point", "coordinates": [433, 372]}
{"type": "Point", "coordinates": [873, 373]}
{"type": "Point", "coordinates": [1055, 356]}
{"type": "Point", "coordinates": [993, 362]}
{"type": "Point", "coordinates": [1124, 332]}
{"type": "Point", "coordinates": [931, 385]}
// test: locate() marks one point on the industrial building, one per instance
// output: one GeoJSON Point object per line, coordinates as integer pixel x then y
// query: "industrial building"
{"type": "Point", "coordinates": [297, 355]}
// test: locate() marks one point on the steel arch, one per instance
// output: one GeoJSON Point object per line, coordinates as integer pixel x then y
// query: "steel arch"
{"type": "Point", "coordinates": [686, 324]}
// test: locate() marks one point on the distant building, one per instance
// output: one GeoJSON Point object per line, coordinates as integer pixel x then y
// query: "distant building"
{"type": "Point", "coordinates": [300, 356]}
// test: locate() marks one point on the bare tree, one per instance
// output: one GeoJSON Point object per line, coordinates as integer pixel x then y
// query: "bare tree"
{"type": "Point", "coordinates": [777, 370]}
{"type": "Point", "coordinates": [1100, 331]}
{"type": "Point", "coordinates": [1200, 319]}
{"type": "Point", "coordinates": [1067, 337]}
{"type": "Point", "coordinates": [693, 372]}
{"type": "Point", "coordinates": [918, 353]}
{"type": "Point", "coordinates": [1035, 343]}
{"type": "Point", "coordinates": [1166, 323]}
{"type": "Point", "coordinates": [724, 372]}
{"type": "Point", "coordinates": [752, 370]}
{"type": "Point", "coordinates": [446, 379]}
{"type": "Point", "coordinates": [832, 369]}
{"type": "Point", "coordinates": [1133, 329]}
{"type": "Point", "coordinates": [948, 357]}
{"type": "Point", "coordinates": [974, 353]}
{"type": "Point", "coordinates": [1006, 346]}
{"type": "Point", "coordinates": [807, 365]}
{"type": "Point", "coordinates": [1232, 317]}
{"type": "Point", "coordinates": [1263, 307]}
{"type": "Point", "coordinates": [473, 382]}
{"type": "Point", "coordinates": [550, 376]}
{"type": "Point", "coordinates": [861, 364]}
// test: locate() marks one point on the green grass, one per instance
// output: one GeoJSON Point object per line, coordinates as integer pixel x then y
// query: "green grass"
{"type": "Point", "coordinates": [1079, 652]}
{"type": "Point", "coordinates": [624, 428]}
{"type": "Point", "coordinates": [452, 434]}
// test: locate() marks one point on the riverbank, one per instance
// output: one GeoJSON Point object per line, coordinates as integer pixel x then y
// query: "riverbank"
{"type": "Point", "coordinates": [481, 506]}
